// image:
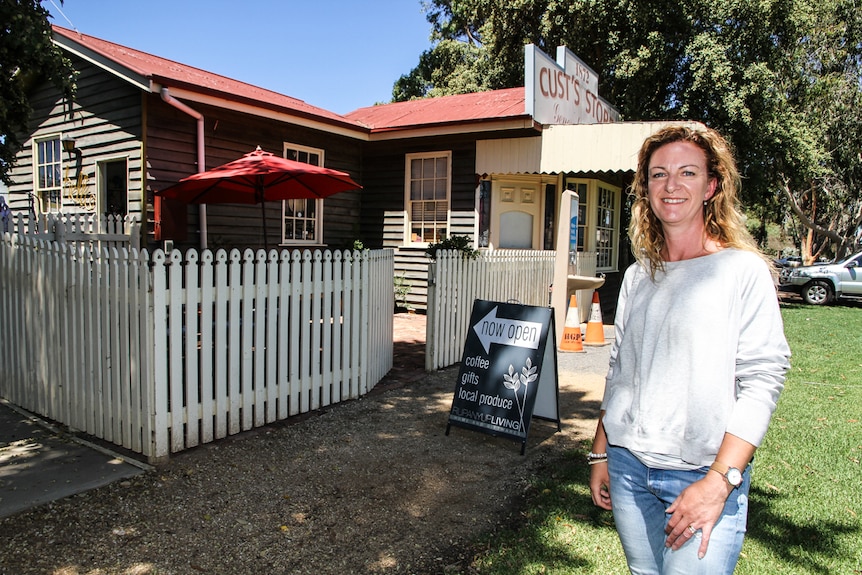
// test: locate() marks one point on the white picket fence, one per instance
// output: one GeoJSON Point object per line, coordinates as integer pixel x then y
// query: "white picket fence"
{"type": "Point", "coordinates": [455, 282]}
{"type": "Point", "coordinates": [161, 354]}
{"type": "Point", "coordinates": [99, 231]}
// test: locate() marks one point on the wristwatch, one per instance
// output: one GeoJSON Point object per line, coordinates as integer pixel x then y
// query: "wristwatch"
{"type": "Point", "coordinates": [732, 475]}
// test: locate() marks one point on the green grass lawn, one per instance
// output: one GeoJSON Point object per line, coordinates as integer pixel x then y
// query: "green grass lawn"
{"type": "Point", "coordinates": [806, 497]}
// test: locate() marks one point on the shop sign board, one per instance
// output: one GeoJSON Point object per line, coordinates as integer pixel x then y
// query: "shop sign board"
{"type": "Point", "coordinates": [563, 91]}
{"type": "Point", "coordinates": [508, 371]}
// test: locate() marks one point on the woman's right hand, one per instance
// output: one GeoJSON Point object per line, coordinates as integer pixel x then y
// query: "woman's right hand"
{"type": "Point", "coordinates": [600, 483]}
{"type": "Point", "coordinates": [600, 479]}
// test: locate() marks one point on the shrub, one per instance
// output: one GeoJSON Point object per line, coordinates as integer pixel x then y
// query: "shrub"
{"type": "Point", "coordinates": [459, 243]}
{"type": "Point", "coordinates": [402, 288]}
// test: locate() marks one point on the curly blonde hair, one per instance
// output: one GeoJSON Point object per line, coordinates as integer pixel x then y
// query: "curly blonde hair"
{"type": "Point", "coordinates": [722, 216]}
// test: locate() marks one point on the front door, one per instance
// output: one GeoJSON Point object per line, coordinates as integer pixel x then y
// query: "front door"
{"type": "Point", "coordinates": [516, 215]}
{"type": "Point", "coordinates": [113, 187]}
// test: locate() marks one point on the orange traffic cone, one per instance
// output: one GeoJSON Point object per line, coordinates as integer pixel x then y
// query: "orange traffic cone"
{"type": "Point", "coordinates": [595, 327]}
{"type": "Point", "coordinates": [572, 331]}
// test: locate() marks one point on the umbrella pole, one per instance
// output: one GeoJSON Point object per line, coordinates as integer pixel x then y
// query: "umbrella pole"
{"type": "Point", "coordinates": [263, 215]}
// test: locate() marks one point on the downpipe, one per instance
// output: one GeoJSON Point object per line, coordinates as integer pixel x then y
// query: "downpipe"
{"type": "Point", "coordinates": [199, 118]}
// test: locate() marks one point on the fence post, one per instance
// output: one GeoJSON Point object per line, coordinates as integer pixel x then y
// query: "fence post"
{"type": "Point", "coordinates": [160, 450]}
{"type": "Point", "coordinates": [365, 321]}
{"type": "Point", "coordinates": [59, 230]}
{"type": "Point", "coordinates": [430, 324]}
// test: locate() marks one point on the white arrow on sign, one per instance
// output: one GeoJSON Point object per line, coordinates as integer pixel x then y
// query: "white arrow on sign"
{"type": "Point", "coordinates": [503, 331]}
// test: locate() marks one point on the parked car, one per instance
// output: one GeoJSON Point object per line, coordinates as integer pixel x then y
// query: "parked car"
{"type": "Point", "coordinates": [821, 283]}
{"type": "Point", "coordinates": [785, 265]}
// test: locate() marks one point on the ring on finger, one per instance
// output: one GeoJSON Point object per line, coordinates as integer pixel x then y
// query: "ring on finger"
{"type": "Point", "coordinates": [691, 529]}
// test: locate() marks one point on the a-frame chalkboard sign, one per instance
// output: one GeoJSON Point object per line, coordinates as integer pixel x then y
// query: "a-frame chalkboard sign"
{"type": "Point", "coordinates": [508, 371]}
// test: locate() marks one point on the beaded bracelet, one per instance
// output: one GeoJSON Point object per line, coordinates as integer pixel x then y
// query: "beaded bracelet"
{"type": "Point", "coordinates": [594, 458]}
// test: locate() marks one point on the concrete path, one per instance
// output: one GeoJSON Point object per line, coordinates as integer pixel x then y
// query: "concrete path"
{"type": "Point", "coordinates": [39, 464]}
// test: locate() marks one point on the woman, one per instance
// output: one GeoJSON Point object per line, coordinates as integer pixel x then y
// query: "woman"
{"type": "Point", "coordinates": [697, 364]}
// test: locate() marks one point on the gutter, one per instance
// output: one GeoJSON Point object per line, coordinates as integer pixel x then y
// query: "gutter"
{"type": "Point", "coordinates": [316, 118]}
{"type": "Point", "coordinates": [166, 96]}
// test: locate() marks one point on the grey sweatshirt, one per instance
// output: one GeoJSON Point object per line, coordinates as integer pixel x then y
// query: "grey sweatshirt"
{"type": "Point", "coordinates": [698, 352]}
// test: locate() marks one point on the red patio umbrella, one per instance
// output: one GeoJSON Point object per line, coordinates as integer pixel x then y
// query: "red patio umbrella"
{"type": "Point", "coordinates": [259, 177]}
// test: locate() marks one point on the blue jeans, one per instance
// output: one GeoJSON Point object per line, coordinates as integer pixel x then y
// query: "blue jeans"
{"type": "Point", "coordinates": [640, 496]}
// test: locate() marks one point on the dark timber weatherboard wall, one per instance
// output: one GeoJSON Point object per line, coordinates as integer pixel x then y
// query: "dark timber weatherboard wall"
{"type": "Point", "coordinates": [106, 123]}
{"type": "Point", "coordinates": [171, 152]}
{"type": "Point", "coordinates": [382, 223]}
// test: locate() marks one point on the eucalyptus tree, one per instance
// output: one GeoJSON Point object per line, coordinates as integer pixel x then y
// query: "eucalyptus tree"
{"type": "Point", "coordinates": [27, 56]}
{"type": "Point", "coordinates": [780, 78]}
{"type": "Point", "coordinates": [827, 97]}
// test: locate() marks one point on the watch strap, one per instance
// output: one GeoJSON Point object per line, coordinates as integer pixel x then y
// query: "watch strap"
{"type": "Point", "coordinates": [724, 471]}
{"type": "Point", "coordinates": [721, 468]}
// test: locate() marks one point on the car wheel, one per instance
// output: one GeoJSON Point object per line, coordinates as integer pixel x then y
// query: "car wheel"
{"type": "Point", "coordinates": [817, 293]}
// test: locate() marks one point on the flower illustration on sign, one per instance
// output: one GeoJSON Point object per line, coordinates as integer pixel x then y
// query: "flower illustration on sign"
{"type": "Point", "coordinates": [515, 381]}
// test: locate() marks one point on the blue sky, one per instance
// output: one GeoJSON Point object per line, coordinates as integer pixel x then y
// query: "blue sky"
{"type": "Point", "coordinates": [339, 55]}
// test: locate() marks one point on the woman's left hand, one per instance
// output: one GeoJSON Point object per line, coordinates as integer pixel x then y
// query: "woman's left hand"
{"type": "Point", "coordinates": [697, 508]}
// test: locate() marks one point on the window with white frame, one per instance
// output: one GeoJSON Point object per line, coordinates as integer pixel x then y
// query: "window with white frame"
{"type": "Point", "coordinates": [427, 196]}
{"type": "Point", "coordinates": [48, 178]}
{"type": "Point", "coordinates": [606, 227]}
{"type": "Point", "coordinates": [580, 188]}
{"type": "Point", "coordinates": [598, 220]}
{"type": "Point", "coordinates": [302, 219]}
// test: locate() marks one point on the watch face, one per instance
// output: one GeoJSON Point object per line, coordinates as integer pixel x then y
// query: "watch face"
{"type": "Point", "coordinates": [734, 476]}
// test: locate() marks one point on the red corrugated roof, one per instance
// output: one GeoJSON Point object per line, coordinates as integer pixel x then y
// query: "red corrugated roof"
{"type": "Point", "coordinates": [175, 74]}
{"type": "Point", "coordinates": [464, 108]}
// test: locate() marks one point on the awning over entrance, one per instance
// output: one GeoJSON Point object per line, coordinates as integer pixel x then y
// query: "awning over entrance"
{"type": "Point", "coordinates": [609, 147]}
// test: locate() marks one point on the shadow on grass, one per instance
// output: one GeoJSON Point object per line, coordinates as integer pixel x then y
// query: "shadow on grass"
{"type": "Point", "coordinates": [559, 528]}
{"type": "Point", "coordinates": [558, 505]}
{"type": "Point", "coordinates": [813, 545]}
